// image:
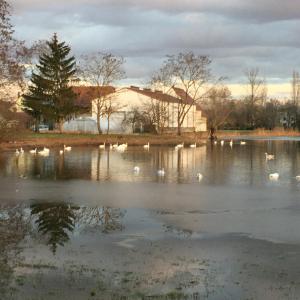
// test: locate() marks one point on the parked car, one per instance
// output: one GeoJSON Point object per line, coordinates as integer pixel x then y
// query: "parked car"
{"type": "Point", "coordinates": [41, 128]}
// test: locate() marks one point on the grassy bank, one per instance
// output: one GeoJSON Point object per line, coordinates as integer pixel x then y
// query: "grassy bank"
{"type": "Point", "coordinates": [278, 132]}
{"type": "Point", "coordinates": [30, 139]}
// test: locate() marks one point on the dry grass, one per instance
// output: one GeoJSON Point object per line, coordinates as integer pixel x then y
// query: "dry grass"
{"type": "Point", "coordinates": [259, 132]}
{"type": "Point", "coordinates": [54, 139]}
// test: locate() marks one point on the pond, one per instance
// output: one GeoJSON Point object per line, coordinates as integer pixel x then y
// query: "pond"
{"type": "Point", "coordinates": [88, 224]}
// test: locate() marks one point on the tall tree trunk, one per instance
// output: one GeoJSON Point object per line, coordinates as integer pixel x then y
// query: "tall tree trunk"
{"type": "Point", "coordinates": [178, 124]}
{"type": "Point", "coordinates": [98, 123]}
{"type": "Point", "coordinates": [36, 125]}
{"type": "Point", "coordinates": [60, 125]}
{"type": "Point", "coordinates": [108, 123]}
{"type": "Point", "coordinates": [212, 131]}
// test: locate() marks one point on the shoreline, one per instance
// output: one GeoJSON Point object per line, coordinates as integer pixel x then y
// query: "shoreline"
{"type": "Point", "coordinates": [76, 139]}
{"type": "Point", "coordinates": [58, 140]}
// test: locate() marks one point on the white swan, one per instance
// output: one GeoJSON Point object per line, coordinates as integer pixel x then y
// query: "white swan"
{"type": "Point", "coordinates": [274, 176]}
{"type": "Point", "coordinates": [17, 152]}
{"type": "Point", "coordinates": [46, 149]}
{"type": "Point", "coordinates": [34, 151]}
{"type": "Point", "coordinates": [136, 169]}
{"type": "Point", "coordinates": [21, 150]}
{"type": "Point", "coordinates": [199, 176]}
{"type": "Point", "coordinates": [147, 146]}
{"type": "Point", "coordinates": [44, 152]}
{"type": "Point", "coordinates": [61, 152]}
{"type": "Point", "coordinates": [243, 143]}
{"type": "Point", "coordinates": [102, 146]}
{"type": "Point", "coordinates": [115, 145]}
{"type": "Point", "coordinates": [231, 143]}
{"type": "Point", "coordinates": [269, 156]}
{"type": "Point", "coordinates": [193, 145]}
{"type": "Point", "coordinates": [161, 172]}
{"type": "Point", "coordinates": [121, 147]}
{"type": "Point", "coordinates": [215, 142]}
{"type": "Point", "coordinates": [222, 143]}
{"type": "Point", "coordinates": [67, 148]}
{"type": "Point", "coordinates": [298, 177]}
{"type": "Point", "coordinates": [124, 146]}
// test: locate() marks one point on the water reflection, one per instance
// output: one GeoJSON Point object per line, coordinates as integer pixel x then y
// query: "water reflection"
{"type": "Point", "coordinates": [106, 219]}
{"type": "Point", "coordinates": [55, 221]}
{"type": "Point", "coordinates": [13, 228]}
{"type": "Point", "coordinates": [219, 165]}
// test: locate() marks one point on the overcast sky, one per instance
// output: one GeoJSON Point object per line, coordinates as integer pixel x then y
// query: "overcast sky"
{"type": "Point", "coordinates": [236, 34]}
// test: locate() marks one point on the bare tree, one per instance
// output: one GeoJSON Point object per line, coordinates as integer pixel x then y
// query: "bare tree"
{"type": "Point", "coordinates": [101, 70]}
{"type": "Point", "coordinates": [11, 54]}
{"type": "Point", "coordinates": [111, 107]}
{"type": "Point", "coordinates": [12, 73]}
{"type": "Point", "coordinates": [156, 112]}
{"type": "Point", "coordinates": [256, 93]}
{"type": "Point", "coordinates": [135, 119]}
{"type": "Point", "coordinates": [296, 88]}
{"type": "Point", "coordinates": [190, 73]}
{"type": "Point", "coordinates": [217, 108]}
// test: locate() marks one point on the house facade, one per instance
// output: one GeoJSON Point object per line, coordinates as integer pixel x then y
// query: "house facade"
{"type": "Point", "coordinates": [124, 103]}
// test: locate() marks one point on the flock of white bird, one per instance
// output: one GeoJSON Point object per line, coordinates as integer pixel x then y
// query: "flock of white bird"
{"type": "Point", "coordinates": [161, 172]}
{"type": "Point", "coordinates": [44, 152]}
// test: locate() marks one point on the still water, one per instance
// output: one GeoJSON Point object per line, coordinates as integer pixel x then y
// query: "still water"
{"type": "Point", "coordinates": [86, 224]}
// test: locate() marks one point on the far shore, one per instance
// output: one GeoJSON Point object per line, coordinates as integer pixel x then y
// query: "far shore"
{"type": "Point", "coordinates": [258, 133]}
{"type": "Point", "coordinates": [54, 139]}
{"type": "Point", "coordinates": [76, 139]}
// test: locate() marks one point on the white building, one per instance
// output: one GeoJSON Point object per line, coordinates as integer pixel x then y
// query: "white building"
{"type": "Point", "coordinates": [125, 102]}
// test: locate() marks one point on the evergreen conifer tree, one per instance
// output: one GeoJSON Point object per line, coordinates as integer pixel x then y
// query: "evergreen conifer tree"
{"type": "Point", "coordinates": [50, 95]}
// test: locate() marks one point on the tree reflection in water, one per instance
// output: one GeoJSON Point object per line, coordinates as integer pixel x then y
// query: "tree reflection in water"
{"type": "Point", "coordinates": [13, 228]}
{"type": "Point", "coordinates": [107, 219]}
{"type": "Point", "coordinates": [55, 221]}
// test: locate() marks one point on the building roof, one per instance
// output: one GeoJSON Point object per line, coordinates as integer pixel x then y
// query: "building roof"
{"type": "Point", "coordinates": [88, 93]}
{"type": "Point", "coordinates": [159, 95]}
{"type": "Point", "coordinates": [186, 97]}
{"type": "Point", "coordinates": [85, 94]}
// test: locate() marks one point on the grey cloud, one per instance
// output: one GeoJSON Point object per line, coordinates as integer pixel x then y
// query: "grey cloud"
{"type": "Point", "coordinates": [237, 34]}
{"type": "Point", "coordinates": [259, 10]}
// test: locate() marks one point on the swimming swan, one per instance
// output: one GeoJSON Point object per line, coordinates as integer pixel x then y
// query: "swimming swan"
{"type": "Point", "coordinates": [274, 176]}
{"type": "Point", "coordinates": [102, 146]}
{"type": "Point", "coordinates": [161, 172]}
{"type": "Point", "coordinates": [33, 151]}
{"type": "Point", "coordinates": [269, 156]}
{"type": "Point", "coordinates": [67, 148]}
{"type": "Point", "coordinates": [147, 146]}
{"type": "Point", "coordinates": [199, 176]}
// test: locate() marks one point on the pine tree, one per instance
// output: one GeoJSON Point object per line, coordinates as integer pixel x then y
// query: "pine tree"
{"type": "Point", "coordinates": [50, 95]}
